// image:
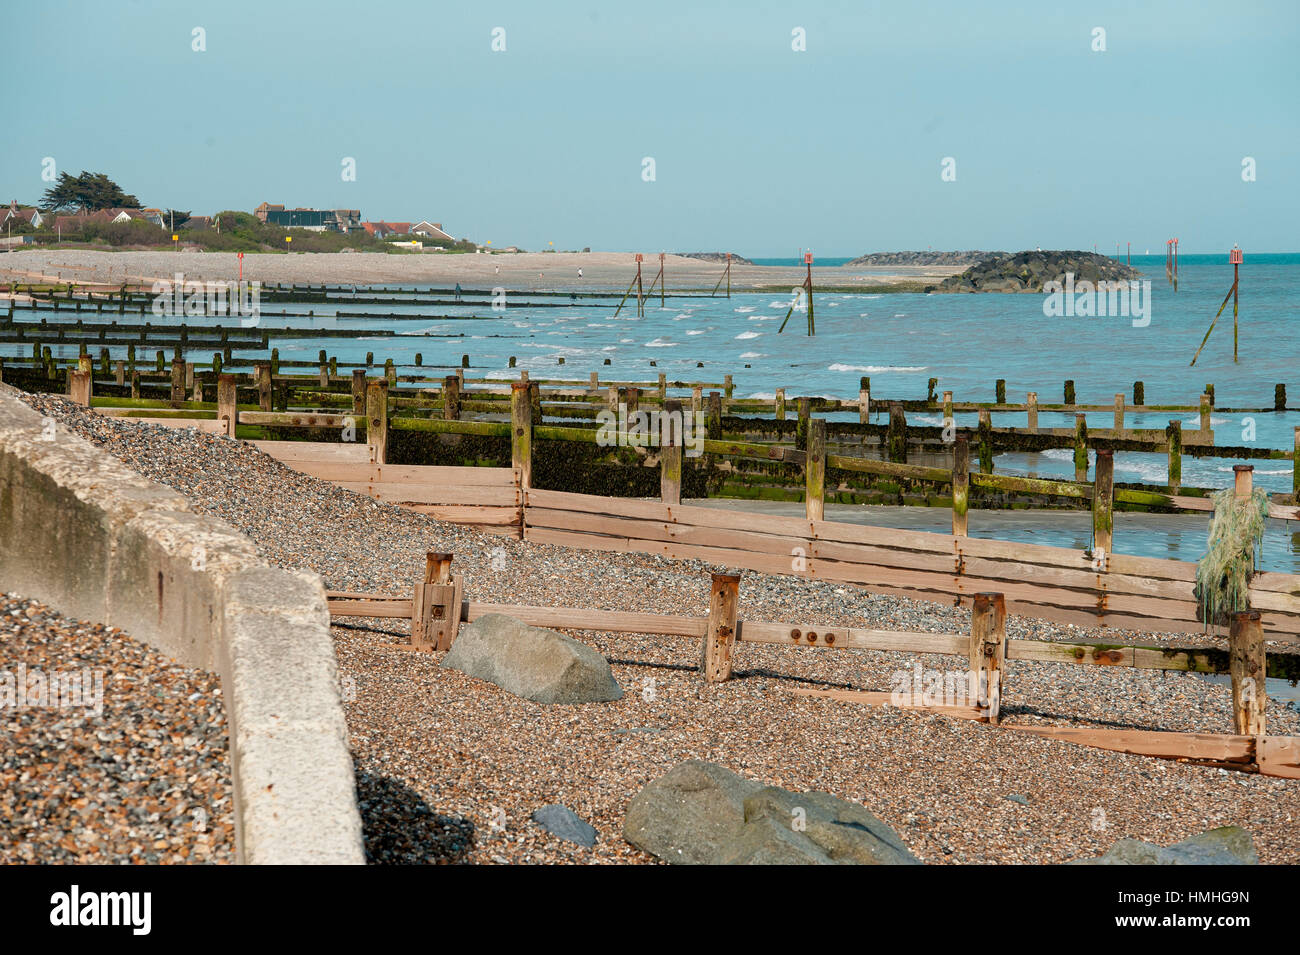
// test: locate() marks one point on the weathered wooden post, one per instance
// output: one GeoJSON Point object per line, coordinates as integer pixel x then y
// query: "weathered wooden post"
{"type": "Point", "coordinates": [611, 399]}
{"type": "Point", "coordinates": [988, 652]}
{"type": "Point", "coordinates": [1000, 391]}
{"type": "Point", "coordinates": [697, 398]}
{"type": "Point", "coordinates": [135, 384]}
{"type": "Point", "coordinates": [189, 377]}
{"type": "Point", "coordinates": [1031, 416]}
{"type": "Point", "coordinates": [713, 420]}
{"type": "Point", "coordinates": [119, 373]}
{"type": "Point", "coordinates": [632, 399]}
{"type": "Point", "coordinates": [377, 420]}
{"type": "Point", "coordinates": [324, 380]}
{"type": "Point", "coordinates": [1119, 412]}
{"type": "Point", "coordinates": [1139, 394]}
{"type": "Point", "coordinates": [262, 371]}
{"type": "Point", "coordinates": [1175, 434]}
{"type": "Point", "coordinates": [521, 432]}
{"type": "Point", "coordinates": [727, 386]}
{"type": "Point", "coordinates": [986, 441]}
{"type": "Point", "coordinates": [947, 407]}
{"type": "Point", "coordinates": [451, 398]}
{"type": "Point", "coordinates": [1243, 480]}
{"type": "Point", "coordinates": [1080, 448]}
{"type": "Point", "coordinates": [663, 387]}
{"type": "Point", "coordinates": [670, 454]}
{"type": "Point", "coordinates": [535, 402]}
{"type": "Point", "coordinates": [1295, 469]}
{"type": "Point", "coordinates": [1207, 405]}
{"type": "Point", "coordinates": [1069, 392]}
{"type": "Point", "coordinates": [1103, 508]}
{"type": "Point", "coordinates": [1246, 667]}
{"type": "Point", "coordinates": [960, 484]}
{"type": "Point", "coordinates": [227, 409]}
{"type": "Point", "coordinates": [80, 387]}
{"type": "Point", "coordinates": [178, 380]}
{"type": "Point", "coordinates": [359, 391]}
{"type": "Point", "coordinates": [864, 400]}
{"type": "Point", "coordinates": [815, 471]}
{"type": "Point", "coordinates": [435, 616]}
{"type": "Point", "coordinates": [897, 435]}
{"type": "Point", "coordinates": [801, 426]}
{"type": "Point", "coordinates": [724, 601]}
{"type": "Point", "coordinates": [779, 411]}
{"type": "Point", "coordinates": [1279, 397]}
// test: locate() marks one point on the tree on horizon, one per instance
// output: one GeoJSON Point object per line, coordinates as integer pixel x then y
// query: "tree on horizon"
{"type": "Point", "coordinates": [87, 192]}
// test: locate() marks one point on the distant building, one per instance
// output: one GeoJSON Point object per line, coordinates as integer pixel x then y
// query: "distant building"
{"type": "Point", "coordinates": [265, 209]}
{"type": "Point", "coordinates": [198, 223]}
{"type": "Point", "coordinates": [432, 230]}
{"type": "Point", "coordinates": [315, 220]}
{"type": "Point", "coordinates": [381, 230]}
{"type": "Point", "coordinates": [28, 214]}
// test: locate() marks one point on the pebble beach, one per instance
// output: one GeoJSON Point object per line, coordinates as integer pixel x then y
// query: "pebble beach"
{"type": "Point", "coordinates": [450, 769]}
{"type": "Point", "coordinates": [144, 778]}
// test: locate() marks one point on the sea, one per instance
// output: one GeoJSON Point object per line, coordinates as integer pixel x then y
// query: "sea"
{"type": "Point", "coordinates": [900, 341]}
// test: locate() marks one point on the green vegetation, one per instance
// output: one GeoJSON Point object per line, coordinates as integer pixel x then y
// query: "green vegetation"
{"type": "Point", "coordinates": [87, 192]}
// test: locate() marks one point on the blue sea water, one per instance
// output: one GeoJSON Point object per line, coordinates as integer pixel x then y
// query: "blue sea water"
{"type": "Point", "coordinates": [900, 341]}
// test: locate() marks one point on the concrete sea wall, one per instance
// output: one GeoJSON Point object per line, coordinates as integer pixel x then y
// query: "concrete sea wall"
{"type": "Point", "coordinates": [82, 532]}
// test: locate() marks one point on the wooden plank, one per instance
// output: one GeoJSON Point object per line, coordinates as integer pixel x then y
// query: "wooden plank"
{"type": "Point", "coordinates": [1198, 746]}
{"type": "Point", "coordinates": [371, 608]}
{"type": "Point", "coordinates": [399, 492]}
{"type": "Point", "coordinates": [1275, 583]}
{"type": "Point", "coordinates": [1278, 756]}
{"type": "Point", "coordinates": [470, 514]}
{"type": "Point", "coordinates": [879, 698]}
{"type": "Point", "coordinates": [314, 451]}
{"type": "Point", "coordinates": [205, 425]}
{"type": "Point", "coordinates": [606, 621]}
{"type": "Point", "coordinates": [637, 529]}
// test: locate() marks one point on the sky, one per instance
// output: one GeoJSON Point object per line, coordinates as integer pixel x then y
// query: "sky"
{"type": "Point", "coordinates": [757, 147]}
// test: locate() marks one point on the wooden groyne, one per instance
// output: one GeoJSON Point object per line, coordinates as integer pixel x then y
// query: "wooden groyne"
{"type": "Point", "coordinates": [464, 421]}
{"type": "Point", "coordinates": [438, 605]}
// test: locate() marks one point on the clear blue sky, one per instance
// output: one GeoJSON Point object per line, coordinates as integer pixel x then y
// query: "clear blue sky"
{"type": "Point", "coordinates": [758, 148]}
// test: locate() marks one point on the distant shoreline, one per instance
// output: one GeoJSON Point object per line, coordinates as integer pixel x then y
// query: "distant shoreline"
{"type": "Point", "coordinates": [523, 271]}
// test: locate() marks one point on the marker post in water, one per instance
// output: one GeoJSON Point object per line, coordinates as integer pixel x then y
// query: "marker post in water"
{"type": "Point", "coordinates": [636, 283]}
{"type": "Point", "coordinates": [726, 274]}
{"type": "Point", "coordinates": [1235, 258]}
{"type": "Point", "coordinates": [807, 291]}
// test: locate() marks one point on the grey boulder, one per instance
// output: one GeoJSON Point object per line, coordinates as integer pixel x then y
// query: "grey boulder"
{"type": "Point", "coordinates": [536, 664]}
{"type": "Point", "coordinates": [703, 814]}
{"type": "Point", "coordinates": [563, 822]}
{"type": "Point", "coordinates": [1228, 845]}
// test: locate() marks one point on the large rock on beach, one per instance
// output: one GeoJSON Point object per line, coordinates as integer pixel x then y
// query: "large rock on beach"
{"type": "Point", "coordinates": [930, 257]}
{"type": "Point", "coordinates": [703, 814]}
{"type": "Point", "coordinates": [539, 665]}
{"type": "Point", "coordinates": [1030, 271]}
{"type": "Point", "coordinates": [1228, 845]}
